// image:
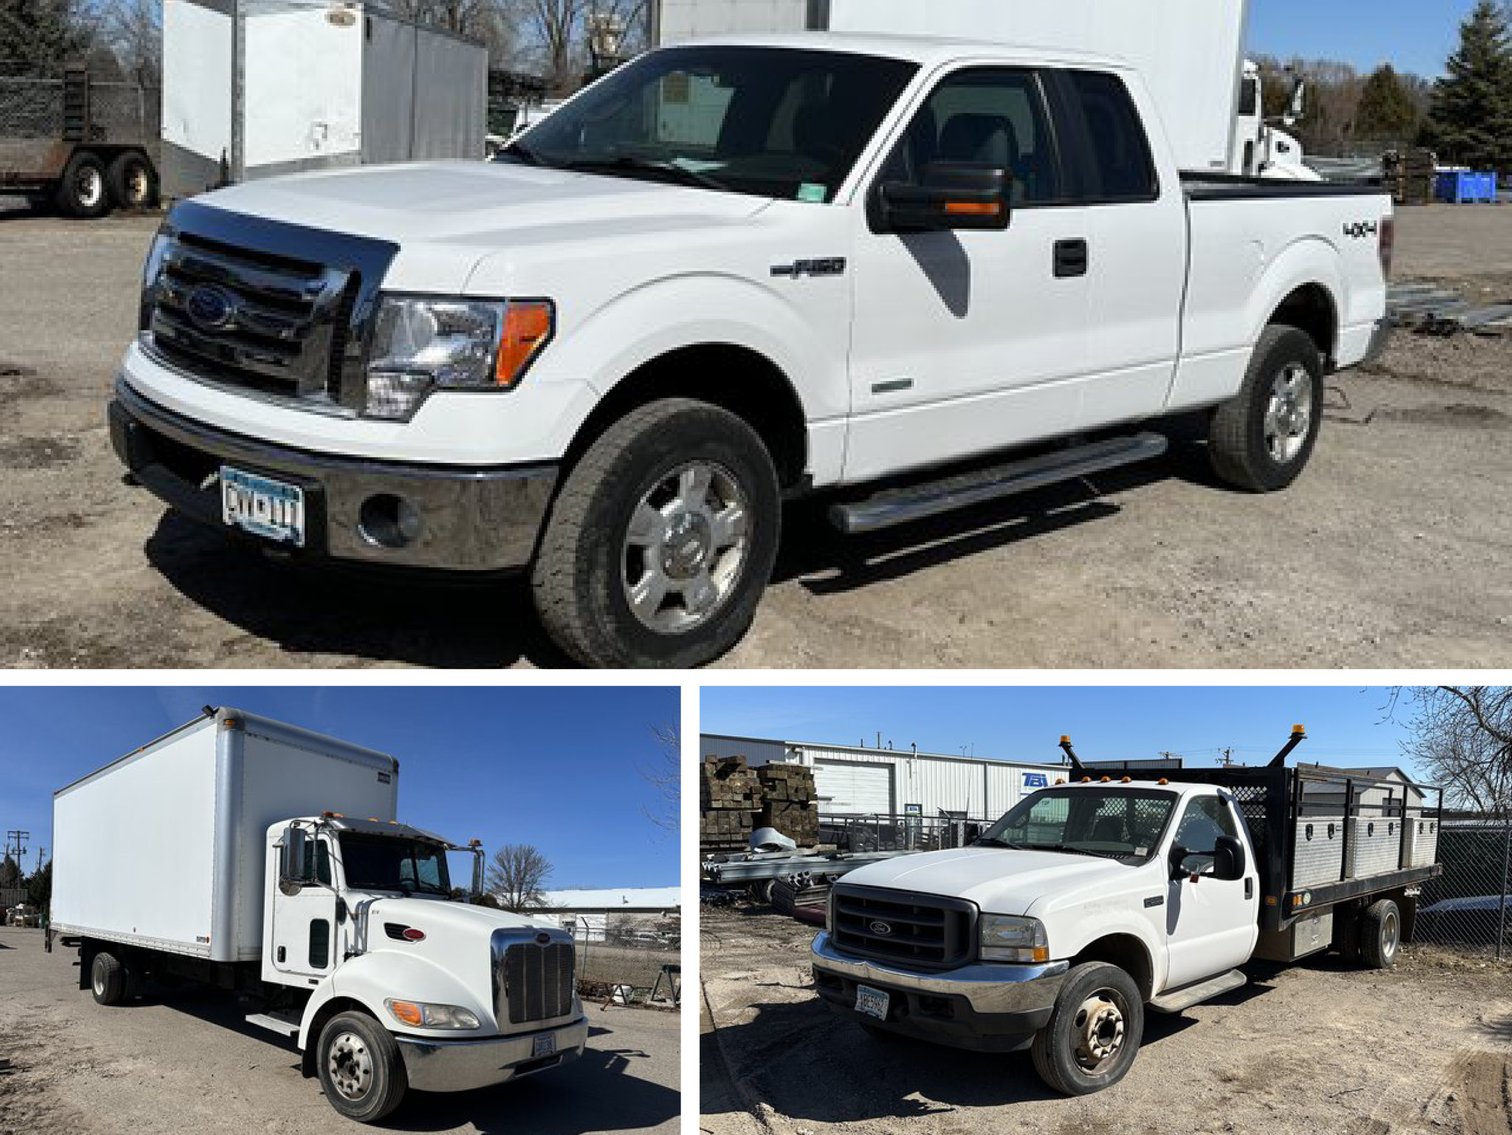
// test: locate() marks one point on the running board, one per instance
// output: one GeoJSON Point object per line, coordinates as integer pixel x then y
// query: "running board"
{"type": "Point", "coordinates": [1181, 999]}
{"type": "Point", "coordinates": [283, 1026]}
{"type": "Point", "coordinates": [932, 498]}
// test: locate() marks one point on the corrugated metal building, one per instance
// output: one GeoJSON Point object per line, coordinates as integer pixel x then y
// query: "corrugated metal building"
{"type": "Point", "coordinates": [597, 915]}
{"type": "Point", "coordinates": [859, 781]}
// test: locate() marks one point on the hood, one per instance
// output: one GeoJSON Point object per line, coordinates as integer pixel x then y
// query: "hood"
{"type": "Point", "coordinates": [998, 880]}
{"type": "Point", "coordinates": [437, 918]}
{"type": "Point", "coordinates": [452, 214]}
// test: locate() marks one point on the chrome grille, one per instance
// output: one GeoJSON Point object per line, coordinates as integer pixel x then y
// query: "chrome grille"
{"type": "Point", "coordinates": [536, 980]}
{"type": "Point", "coordinates": [899, 926]}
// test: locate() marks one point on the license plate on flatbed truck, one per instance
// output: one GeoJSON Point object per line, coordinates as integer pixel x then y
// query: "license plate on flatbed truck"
{"type": "Point", "coordinates": [544, 1045]}
{"type": "Point", "coordinates": [262, 506]}
{"type": "Point", "coordinates": [872, 1002]}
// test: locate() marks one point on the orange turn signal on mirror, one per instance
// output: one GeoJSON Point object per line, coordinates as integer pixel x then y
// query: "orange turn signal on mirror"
{"type": "Point", "coordinates": [528, 325]}
{"type": "Point", "coordinates": [973, 208]}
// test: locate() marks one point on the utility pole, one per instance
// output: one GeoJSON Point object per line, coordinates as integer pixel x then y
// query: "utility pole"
{"type": "Point", "coordinates": [40, 852]}
{"type": "Point", "coordinates": [16, 837]}
{"type": "Point", "coordinates": [1227, 760]}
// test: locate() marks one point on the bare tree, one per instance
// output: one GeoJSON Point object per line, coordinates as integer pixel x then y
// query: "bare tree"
{"type": "Point", "coordinates": [1462, 736]}
{"type": "Point", "coordinates": [517, 875]}
{"type": "Point", "coordinates": [666, 778]}
{"type": "Point", "coordinates": [134, 31]}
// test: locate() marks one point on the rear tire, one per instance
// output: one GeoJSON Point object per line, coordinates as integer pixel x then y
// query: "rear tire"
{"type": "Point", "coordinates": [1380, 934]}
{"type": "Point", "coordinates": [132, 182]}
{"type": "Point", "coordinates": [1262, 439]}
{"type": "Point", "coordinates": [1094, 1031]}
{"type": "Point", "coordinates": [108, 979]}
{"type": "Point", "coordinates": [360, 1067]}
{"type": "Point", "coordinates": [82, 191]}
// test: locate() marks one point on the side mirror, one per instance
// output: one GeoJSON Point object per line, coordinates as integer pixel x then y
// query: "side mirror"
{"type": "Point", "coordinates": [954, 195]}
{"type": "Point", "coordinates": [291, 857]}
{"type": "Point", "coordinates": [1228, 859]}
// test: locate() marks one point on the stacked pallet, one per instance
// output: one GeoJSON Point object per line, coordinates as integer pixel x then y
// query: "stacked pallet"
{"type": "Point", "coordinates": [1411, 176]}
{"type": "Point", "coordinates": [789, 803]}
{"type": "Point", "coordinates": [728, 794]}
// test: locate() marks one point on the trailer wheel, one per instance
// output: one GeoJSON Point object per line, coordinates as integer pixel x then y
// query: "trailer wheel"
{"type": "Point", "coordinates": [1261, 440]}
{"type": "Point", "coordinates": [132, 181]}
{"type": "Point", "coordinates": [1380, 934]}
{"type": "Point", "coordinates": [661, 539]}
{"type": "Point", "coordinates": [107, 979]}
{"type": "Point", "coordinates": [1094, 1031]}
{"type": "Point", "coordinates": [360, 1067]}
{"type": "Point", "coordinates": [82, 190]}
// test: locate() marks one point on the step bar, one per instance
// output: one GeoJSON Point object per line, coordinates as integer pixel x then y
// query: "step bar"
{"type": "Point", "coordinates": [893, 507]}
{"type": "Point", "coordinates": [1180, 999]}
{"type": "Point", "coordinates": [274, 1023]}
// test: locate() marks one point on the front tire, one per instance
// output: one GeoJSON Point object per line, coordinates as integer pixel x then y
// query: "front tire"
{"type": "Point", "coordinates": [1380, 934]}
{"type": "Point", "coordinates": [661, 540]}
{"type": "Point", "coordinates": [360, 1067]}
{"type": "Point", "coordinates": [82, 191]}
{"type": "Point", "coordinates": [107, 979]}
{"type": "Point", "coordinates": [1262, 439]}
{"type": "Point", "coordinates": [1094, 1031]}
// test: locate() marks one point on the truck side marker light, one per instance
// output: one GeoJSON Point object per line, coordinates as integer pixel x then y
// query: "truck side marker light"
{"type": "Point", "coordinates": [1270, 900]}
{"type": "Point", "coordinates": [973, 208]}
{"type": "Point", "coordinates": [1105, 780]}
{"type": "Point", "coordinates": [527, 329]}
{"type": "Point", "coordinates": [1162, 780]}
{"type": "Point", "coordinates": [1127, 780]}
{"type": "Point", "coordinates": [1086, 780]}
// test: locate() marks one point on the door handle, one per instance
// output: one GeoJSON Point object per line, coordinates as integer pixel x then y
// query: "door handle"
{"type": "Point", "coordinates": [1071, 258]}
{"type": "Point", "coordinates": [1249, 889]}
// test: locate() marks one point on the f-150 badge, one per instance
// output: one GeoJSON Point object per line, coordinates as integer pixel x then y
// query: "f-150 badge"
{"type": "Point", "coordinates": [828, 266]}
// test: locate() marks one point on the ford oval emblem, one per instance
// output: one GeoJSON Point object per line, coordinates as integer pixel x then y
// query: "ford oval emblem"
{"type": "Point", "coordinates": [881, 928]}
{"type": "Point", "coordinates": [211, 307]}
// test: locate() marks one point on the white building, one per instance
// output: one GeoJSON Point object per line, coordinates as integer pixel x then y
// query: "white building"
{"type": "Point", "coordinates": [861, 781]}
{"type": "Point", "coordinates": [596, 915]}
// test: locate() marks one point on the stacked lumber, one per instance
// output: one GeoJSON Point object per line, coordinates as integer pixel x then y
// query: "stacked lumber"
{"type": "Point", "coordinates": [728, 794]}
{"type": "Point", "coordinates": [789, 803]}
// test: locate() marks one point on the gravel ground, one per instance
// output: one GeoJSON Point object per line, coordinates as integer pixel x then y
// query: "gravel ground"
{"type": "Point", "coordinates": [1391, 551]}
{"type": "Point", "coordinates": [192, 1064]}
{"type": "Point", "coordinates": [1316, 1048]}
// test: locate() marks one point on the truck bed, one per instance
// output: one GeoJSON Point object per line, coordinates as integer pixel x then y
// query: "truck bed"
{"type": "Point", "coordinates": [1231, 187]}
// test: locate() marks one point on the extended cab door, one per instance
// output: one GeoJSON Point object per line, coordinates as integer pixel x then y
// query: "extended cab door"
{"type": "Point", "coordinates": [304, 939]}
{"type": "Point", "coordinates": [965, 342]}
{"type": "Point", "coordinates": [1211, 924]}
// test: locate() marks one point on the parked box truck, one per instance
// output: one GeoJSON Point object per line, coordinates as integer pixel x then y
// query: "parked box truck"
{"type": "Point", "coordinates": [266, 860]}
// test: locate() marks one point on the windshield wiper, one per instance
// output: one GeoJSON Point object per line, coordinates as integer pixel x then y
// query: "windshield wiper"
{"type": "Point", "coordinates": [1061, 847]}
{"type": "Point", "coordinates": [993, 841]}
{"type": "Point", "coordinates": [626, 164]}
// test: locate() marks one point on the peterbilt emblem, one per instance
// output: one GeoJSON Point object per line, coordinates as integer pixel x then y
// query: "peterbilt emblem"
{"type": "Point", "coordinates": [881, 928]}
{"type": "Point", "coordinates": [543, 939]}
{"type": "Point", "coordinates": [211, 307]}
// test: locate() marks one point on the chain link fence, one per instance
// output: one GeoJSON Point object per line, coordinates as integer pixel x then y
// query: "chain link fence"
{"type": "Point", "coordinates": [899, 832]}
{"type": "Point", "coordinates": [119, 113]}
{"type": "Point", "coordinates": [1468, 908]}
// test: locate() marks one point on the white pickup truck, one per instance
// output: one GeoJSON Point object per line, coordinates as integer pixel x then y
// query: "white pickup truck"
{"type": "Point", "coordinates": [728, 274]}
{"type": "Point", "coordinates": [1089, 901]}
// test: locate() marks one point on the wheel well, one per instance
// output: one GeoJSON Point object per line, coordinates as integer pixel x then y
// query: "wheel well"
{"type": "Point", "coordinates": [737, 379]}
{"type": "Point", "coordinates": [322, 1015]}
{"type": "Point", "coordinates": [1311, 309]}
{"type": "Point", "coordinates": [1126, 952]}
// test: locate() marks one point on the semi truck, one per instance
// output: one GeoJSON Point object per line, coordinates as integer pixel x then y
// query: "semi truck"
{"type": "Point", "coordinates": [265, 860]}
{"type": "Point", "coordinates": [1103, 896]}
{"type": "Point", "coordinates": [914, 274]}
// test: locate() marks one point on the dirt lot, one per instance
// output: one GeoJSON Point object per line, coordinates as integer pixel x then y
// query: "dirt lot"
{"type": "Point", "coordinates": [1392, 551]}
{"type": "Point", "coordinates": [192, 1064]}
{"type": "Point", "coordinates": [1317, 1048]}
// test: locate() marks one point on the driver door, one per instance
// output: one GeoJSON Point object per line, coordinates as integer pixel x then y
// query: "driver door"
{"type": "Point", "coordinates": [1211, 924]}
{"type": "Point", "coordinates": [304, 918]}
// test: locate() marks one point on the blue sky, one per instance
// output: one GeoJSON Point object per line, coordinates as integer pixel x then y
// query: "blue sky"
{"type": "Point", "coordinates": [1411, 35]}
{"type": "Point", "coordinates": [557, 768]}
{"type": "Point", "coordinates": [1345, 725]}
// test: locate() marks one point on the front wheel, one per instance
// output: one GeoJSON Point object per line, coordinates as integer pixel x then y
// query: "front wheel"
{"type": "Point", "coordinates": [1261, 440]}
{"type": "Point", "coordinates": [1094, 1031]}
{"type": "Point", "coordinates": [661, 540]}
{"type": "Point", "coordinates": [360, 1067]}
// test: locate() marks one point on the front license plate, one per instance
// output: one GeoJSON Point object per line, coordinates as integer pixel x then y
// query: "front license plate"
{"type": "Point", "coordinates": [545, 1044]}
{"type": "Point", "coordinates": [871, 1002]}
{"type": "Point", "coordinates": [265, 507]}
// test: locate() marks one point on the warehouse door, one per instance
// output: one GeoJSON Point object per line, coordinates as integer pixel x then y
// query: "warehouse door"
{"type": "Point", "coordinates": [848, 788]}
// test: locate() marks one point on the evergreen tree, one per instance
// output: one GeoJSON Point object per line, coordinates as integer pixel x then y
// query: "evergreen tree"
{"type": "Point", "coordinates": [1387, 111]}
{"type": "Point", "coordinates": [1471, 119]}
{"type": "Point", "coordinates": [38, 36]}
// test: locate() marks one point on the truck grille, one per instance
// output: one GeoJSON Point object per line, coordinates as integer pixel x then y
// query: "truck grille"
{"type": "Point", "coordinates": [538, 980]}
{"type": "Point", "coordinates": [899, 926]}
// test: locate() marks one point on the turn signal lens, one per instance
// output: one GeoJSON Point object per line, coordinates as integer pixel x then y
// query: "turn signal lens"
{"type": "Point", "coordinates": [527, 329]}
{"type": "Point", "coordinates": [973, 208]}
{"type": "Point", "coordinates": [406, 1011]}
{"type": "Point", "coordinates": [425, 1015]}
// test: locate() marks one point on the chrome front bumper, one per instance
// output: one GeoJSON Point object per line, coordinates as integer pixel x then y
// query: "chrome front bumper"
{"type": "Point", "coordinates": [462, 1065]}
{"type": "Point", "coordinates": [471, 520]}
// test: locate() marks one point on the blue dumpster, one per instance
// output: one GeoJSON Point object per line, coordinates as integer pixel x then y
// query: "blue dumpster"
{"type": "Point", "coordinates": [1466, 187]}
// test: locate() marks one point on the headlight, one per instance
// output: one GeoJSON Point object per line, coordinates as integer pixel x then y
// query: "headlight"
{"type": "Point", "coordinates": [1007, 938]}
{"type": "Point", "coordinates": [423, 1015]}
{"type": "Point", "coordinates": [423, 344]}
{"type": "Point", "coordinates": [152, 271]}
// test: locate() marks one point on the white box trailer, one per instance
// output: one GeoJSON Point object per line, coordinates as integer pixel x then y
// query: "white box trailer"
{"type": "Point", "coordinates": [263, 87]}
{"type": "Point", "coordinates": [163, 848]}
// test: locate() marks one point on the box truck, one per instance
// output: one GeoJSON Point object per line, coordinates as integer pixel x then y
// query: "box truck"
{"type": "Point", "coordinates": [1092, 901]}
{"type": "Point", "coordinates": [1191, 53]}
{"type": "Point", "coordinates": [266, 860]}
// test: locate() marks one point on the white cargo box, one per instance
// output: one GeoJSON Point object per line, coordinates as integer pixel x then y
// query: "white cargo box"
{"type": "Point", "coordinates": [1422, 841]}
{"type": "Point", "coordinates": [165, 847]}
{"type": "Point", "coordinates": [1319, 851]}
{"type": "Point", "coordinates": [1375, 845]}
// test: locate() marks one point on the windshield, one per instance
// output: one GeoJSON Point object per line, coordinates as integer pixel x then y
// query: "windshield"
{"type": "Point", "coordinates": [1121, 823]}
{"type": "Point", "coordinates": [391, 863]}
{"type": "Point", "coordinates": [764, 121]}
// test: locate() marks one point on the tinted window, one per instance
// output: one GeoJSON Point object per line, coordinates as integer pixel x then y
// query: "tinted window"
{"type": "Point", "coordinates": [1120, 168]}
{"type": "Point", "coordinates": [987, 117]}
